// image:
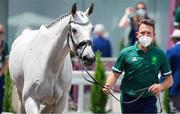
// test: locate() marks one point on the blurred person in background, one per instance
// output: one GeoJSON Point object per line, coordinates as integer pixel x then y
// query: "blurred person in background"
{"type": "Point", "coordinates": [174, 59]}
{"type": "Point", "coordinates": [3, 64]}
{"type": "Point", "coordinates": [101, 41]}
{"type": "Point", "coordinates": [132, 17]}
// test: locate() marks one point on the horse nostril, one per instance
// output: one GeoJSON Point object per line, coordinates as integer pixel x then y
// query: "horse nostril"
{"type": "Point", "coordinates": [88, 60]}
{"type": "Point", "coordinates": [85, 58]}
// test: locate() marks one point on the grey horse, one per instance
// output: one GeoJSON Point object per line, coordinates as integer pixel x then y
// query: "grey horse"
{"type": "Point", "coordinates": [40, 65]}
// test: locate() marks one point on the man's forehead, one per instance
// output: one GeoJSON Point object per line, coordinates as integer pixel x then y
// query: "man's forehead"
{"type": "Point", "coordinates": [144, 27]}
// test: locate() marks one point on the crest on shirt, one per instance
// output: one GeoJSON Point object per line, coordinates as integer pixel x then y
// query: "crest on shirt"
{"type": "Point", "coordinates": [134, 59]}
{"type": "Point", "coordinates": [154, 60]}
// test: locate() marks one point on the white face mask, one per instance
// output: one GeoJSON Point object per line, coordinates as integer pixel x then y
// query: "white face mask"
{"type": "Point", "coordinates": [141, 12]}
{"type": "Point", "coordinates": [145, 40]}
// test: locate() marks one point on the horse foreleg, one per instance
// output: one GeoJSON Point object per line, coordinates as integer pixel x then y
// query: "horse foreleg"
{"type": "Point", "coordinates": [60, 106]}
{"type": "Point", "coordinates": [16, 102]}
{"type": "Point", "coordinates": [31, 106]}
{"type": "Point", "coordinates": [22, 108]}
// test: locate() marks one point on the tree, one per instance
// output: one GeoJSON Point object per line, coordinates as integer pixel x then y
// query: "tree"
{"type": "Point", "coordinates": [98, 98]}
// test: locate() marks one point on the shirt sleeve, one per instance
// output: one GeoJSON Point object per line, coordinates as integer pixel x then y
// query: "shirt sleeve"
{"type": "Point", "coordinates": [165, 67]}
{"type": "Point", "coordinates": [120, 63]}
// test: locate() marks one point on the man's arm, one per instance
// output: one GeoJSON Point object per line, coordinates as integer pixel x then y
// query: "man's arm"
{"type": "Point", "coordinates": [157, 88]}
{"type": "Point", "coordinates": [110, 82]}
{"type": "Point", "coordinates": [124, 21]}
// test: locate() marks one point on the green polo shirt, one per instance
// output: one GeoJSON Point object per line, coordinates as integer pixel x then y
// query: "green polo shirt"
{"type": "Point", "coordinates": [141, 68]}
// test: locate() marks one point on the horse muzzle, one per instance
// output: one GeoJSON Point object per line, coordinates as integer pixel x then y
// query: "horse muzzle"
{"type": "Point", "coordinates": [87, 60]}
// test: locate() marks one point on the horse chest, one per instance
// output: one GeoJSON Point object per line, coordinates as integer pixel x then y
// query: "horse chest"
{"type": "Point", "coordinates": [48, 93]}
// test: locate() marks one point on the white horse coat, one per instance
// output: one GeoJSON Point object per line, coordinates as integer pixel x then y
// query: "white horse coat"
{"type": "Point", "coordinates": [40, 64]}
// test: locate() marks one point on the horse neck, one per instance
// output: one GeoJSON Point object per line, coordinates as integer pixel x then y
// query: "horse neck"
{"type": "Point", "coordinates": [59, 49]}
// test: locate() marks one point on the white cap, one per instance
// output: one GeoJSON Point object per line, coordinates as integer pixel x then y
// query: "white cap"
{"type": "Point", "coordinates": [99, 28]}
{"type": "Point", "coordinates": [176, 34]}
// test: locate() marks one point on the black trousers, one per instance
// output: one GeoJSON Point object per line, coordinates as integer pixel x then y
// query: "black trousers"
{"type": "Point", "coordinates": [142, 105]}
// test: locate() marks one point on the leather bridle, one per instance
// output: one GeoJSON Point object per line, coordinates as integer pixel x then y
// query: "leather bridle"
{"type": "Point", "coordinates": [83, 44]}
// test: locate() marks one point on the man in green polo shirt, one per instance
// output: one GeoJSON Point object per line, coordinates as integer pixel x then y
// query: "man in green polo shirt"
{"type": "Point", "coordinates": [141, 64]}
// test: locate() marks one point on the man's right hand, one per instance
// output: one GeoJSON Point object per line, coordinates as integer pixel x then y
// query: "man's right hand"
{"type": "Point", "coordinates": [110, 82]}
{"type": "Point", "coordinates": [106, 89]}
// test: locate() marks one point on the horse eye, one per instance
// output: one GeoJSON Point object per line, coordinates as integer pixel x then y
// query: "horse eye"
{"type": "Point", "coordinates": [74, 30]}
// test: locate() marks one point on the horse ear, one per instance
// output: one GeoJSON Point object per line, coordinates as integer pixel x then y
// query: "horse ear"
{"type": "Point", "coordinates": [74, 9]}
{"type": "Point", "coordinates": [89, 11]}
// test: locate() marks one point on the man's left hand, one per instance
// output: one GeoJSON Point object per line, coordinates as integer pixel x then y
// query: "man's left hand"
{"type": "Point", "coordinates": [155, 89]}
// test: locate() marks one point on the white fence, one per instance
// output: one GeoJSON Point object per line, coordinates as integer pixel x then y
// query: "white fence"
{"type": "Point", "coordinates": [78, 79]}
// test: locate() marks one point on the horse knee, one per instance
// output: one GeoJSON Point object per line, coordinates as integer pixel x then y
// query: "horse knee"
{"type": "Point", "coordinates": [31, 106]}
{"type": "Point", "coordinates": [61, 105]}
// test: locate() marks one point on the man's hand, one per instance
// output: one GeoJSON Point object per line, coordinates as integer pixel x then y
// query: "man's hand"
{"type": "Point", "coordinates": [106, 89]}
{"type": "Point", "coordinates": [110, 82]}
{"type": "Point", "coordinates": [155, 89]}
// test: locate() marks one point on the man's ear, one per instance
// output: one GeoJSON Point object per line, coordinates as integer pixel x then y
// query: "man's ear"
{"type": "Point", "coordinates": [137, 35]}
{"type": "Point", "coordinates": [154, 35]}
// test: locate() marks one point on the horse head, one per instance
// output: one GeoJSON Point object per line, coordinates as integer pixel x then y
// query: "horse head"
{"type": "Point", "coordinates": [80, 34]}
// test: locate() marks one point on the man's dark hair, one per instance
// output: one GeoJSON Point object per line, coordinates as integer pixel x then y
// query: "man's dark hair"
{"type": "Point", "coordinates": [149, 22]}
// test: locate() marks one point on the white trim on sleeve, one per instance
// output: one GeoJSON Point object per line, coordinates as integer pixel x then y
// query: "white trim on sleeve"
{"type": "Point", "coordinates": [117, 70]}
{"type": "Point", "coordinates": [167, 73]}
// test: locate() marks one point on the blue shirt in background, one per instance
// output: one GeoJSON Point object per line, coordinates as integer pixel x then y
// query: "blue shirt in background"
{"type": "Point", "coordinates": [174, 59]}
{"type": "Point", "coordinates": [103, 45]}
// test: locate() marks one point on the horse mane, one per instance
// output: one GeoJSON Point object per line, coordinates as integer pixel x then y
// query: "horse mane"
{"type": "Point", "coordinates": [57, 20]}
